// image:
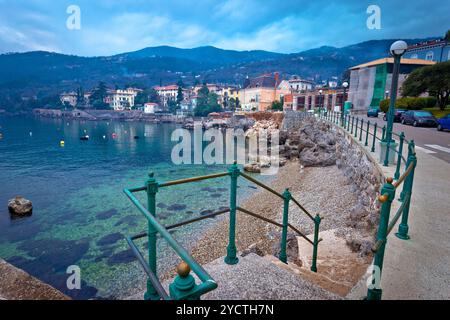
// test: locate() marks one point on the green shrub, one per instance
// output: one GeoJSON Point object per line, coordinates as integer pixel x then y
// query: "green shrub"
{"type": "Point", "coordinates": [410, 103]}
{"type": "Point", "coordinates": [384, 105]}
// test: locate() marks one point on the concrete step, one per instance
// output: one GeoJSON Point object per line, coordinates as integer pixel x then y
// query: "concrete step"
{"type": "Point", "coordinates": [257, 278]}
{"type": "Point", "coordinates": [338, 268]}
{"type": "Point", "coordinates": [16, 284]}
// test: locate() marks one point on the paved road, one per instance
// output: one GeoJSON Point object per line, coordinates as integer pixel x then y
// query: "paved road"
{"type": "Point", "coordinates": [429, 140]}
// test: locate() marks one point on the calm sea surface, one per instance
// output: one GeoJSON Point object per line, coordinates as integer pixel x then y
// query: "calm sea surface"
{"type": "Point", "coordinates": [80, 214]}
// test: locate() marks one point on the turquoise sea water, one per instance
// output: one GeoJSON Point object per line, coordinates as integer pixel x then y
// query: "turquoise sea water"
{"type": "Point", "coordinates": [80, 214]}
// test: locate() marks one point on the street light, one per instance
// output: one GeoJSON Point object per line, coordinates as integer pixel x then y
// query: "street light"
{"type": "Point", "coordinates": [398, 48]}
{"type": "Point", "coordinates": [345, 85]}
{"type": "Point", "coordinates": [320, 101]}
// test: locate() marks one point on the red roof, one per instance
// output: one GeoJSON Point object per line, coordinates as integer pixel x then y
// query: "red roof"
{"type": "Point", "coordinates": [168, 87]}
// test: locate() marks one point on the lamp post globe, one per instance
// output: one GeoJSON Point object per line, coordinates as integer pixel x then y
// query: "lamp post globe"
{"type": "Point", "coordinates": [398, 48]}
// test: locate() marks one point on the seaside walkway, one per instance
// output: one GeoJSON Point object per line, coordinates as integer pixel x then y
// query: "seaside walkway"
{"type": "Point", "coordinates": [418, 268]}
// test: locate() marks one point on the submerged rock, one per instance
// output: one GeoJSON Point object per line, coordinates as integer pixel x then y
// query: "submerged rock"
{"type": "Point", "coordinates": [176, 207]}
{"type": "Point", "coordinates": [110, 239]}
{"type": "Point", "coordinates": [125, 256]}
{"type": "Point", "coordinates": [20, 207]}
{"type": "Point", "coordinates": [106, 214]}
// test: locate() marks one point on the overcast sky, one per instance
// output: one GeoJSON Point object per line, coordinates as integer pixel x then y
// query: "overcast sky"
{"type": "Point", "coordinates": [110, 27]}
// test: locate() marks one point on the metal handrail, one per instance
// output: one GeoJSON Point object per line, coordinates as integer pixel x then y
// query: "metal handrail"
{"type": "Point", "coordinates": [302, 208]}
{"type": "Point", "coordinates": [387, 193]}
{"type": "Point", "coordinates": [208, 282]}
{"type": "Point", "coordinates": [398, 214]}
{"type": "Point", "coordinates": [262, 185]}
{"type": "Point", "coordinates": [178, 287]}
{"type": "Point", "coordinates": [374, 134]}
{"type": "Point", "coordinates": [195, 179]}
{"type": "Point", "coordinates": [274, 223]}
{"type": "Point", "coordinates": [404, 175]}
{"type": "Point", "coordinates": [153, 278]}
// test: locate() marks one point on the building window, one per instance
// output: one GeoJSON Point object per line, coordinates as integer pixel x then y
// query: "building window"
{"type": "Point", "coordinates": [429, 56]}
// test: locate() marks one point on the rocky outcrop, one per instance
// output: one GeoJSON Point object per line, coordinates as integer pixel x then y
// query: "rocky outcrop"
{"type": "Point", "coordinates": [312, 143]}
{"type": "Point", "coordinates": [20, 207]}
{"type": "Point", "coordinates": [264, 131]}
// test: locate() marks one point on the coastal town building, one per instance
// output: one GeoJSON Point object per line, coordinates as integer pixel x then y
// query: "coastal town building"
{"type": "Point", "coordinates": [433, 50]}
{"type": "Point", "coordinates": [259, 93]}
{"type": "Point", "coordinates": [297, 84]}
{"type": "Point", "coordinates": [69, 98]}
{"type": "Point", "coordinates": [370, 82]}
{"type": "Point", "coordinates": [167, 93]}
{"type": "Point", "coordinates": [328, 98]}
{"type": "Point", "coordinates": [151, 107]}
{"type": "Point", "coordinates": [122, 99]}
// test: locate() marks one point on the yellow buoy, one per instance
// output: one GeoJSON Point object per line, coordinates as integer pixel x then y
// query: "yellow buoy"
{"type": "Point", "coordinates": [62, 143]}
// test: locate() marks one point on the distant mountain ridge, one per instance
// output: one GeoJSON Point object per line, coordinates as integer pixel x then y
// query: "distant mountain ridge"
{"type": "Point", "coordinates": [43, 73]}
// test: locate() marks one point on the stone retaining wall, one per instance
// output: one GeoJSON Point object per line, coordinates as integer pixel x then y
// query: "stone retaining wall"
{"type": "Point", "coordinates": [315, 141]}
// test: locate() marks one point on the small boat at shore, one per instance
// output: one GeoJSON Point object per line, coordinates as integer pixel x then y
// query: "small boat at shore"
{"type": "Point", "coordinates": [84, 138]}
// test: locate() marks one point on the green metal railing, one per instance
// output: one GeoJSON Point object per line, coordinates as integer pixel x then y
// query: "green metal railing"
{"type": "Point", "coordinates": [184, 286]}
{"type": "Point", "coordinates": [388, 190]}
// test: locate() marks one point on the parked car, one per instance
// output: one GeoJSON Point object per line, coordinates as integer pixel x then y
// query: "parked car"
{"type": "Point", "coordinates": [444, 123]}
{"type": "Point", "coordinates": [397, 115]}
{"type": "Point", "coordinates": [419, 118]}
{"type": "Point", "coordinates": [373, 113]}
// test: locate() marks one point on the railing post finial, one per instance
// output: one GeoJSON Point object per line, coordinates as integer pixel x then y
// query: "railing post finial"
{"type": "Point", "coordinates": [183, 285]}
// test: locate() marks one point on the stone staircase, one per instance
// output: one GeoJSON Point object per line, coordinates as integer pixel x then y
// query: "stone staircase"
{"type": "Point", "coordinates": [258, 278]}
{"type": "Point", "coordinates": [267, 278]}
{"type": "Point", "coordinates": [338, 268]}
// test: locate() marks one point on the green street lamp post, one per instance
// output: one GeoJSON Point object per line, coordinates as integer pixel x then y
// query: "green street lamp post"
{"type": "Point", "coordinates": [397, 49]}
{"type": "Point", "coordinates": [345, 85]}
{"type": "Point", "coordinates": [320, 101]}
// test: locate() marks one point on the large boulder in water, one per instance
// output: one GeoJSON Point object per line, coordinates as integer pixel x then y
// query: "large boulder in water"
{"type": "Point", "coordinates": [19, 206]}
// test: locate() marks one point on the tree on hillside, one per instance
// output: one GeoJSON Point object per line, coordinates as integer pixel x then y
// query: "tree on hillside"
{"type": "Point", "coordinates": [180, 83]}
{"type": "Point", "coordinates": [172, 105]}
{"type": "Point", "coordinates": [80, 97]}
{"type": "Point", "coordinates": [433, 79]}
{"type": "Point", "coordinates": [98, 96]}
{"type": "Point", "coordinates": [180, 96]}
{"type": "Point", "coordinates": [447, 35]}
{"type": "Point", "coordinates": [147, 95]}
{"type": "Point", "coordinates": [207, 102]}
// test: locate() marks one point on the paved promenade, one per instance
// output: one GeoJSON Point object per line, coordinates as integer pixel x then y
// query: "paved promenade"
{"type": "Point", "coordinates": [419, 268]}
